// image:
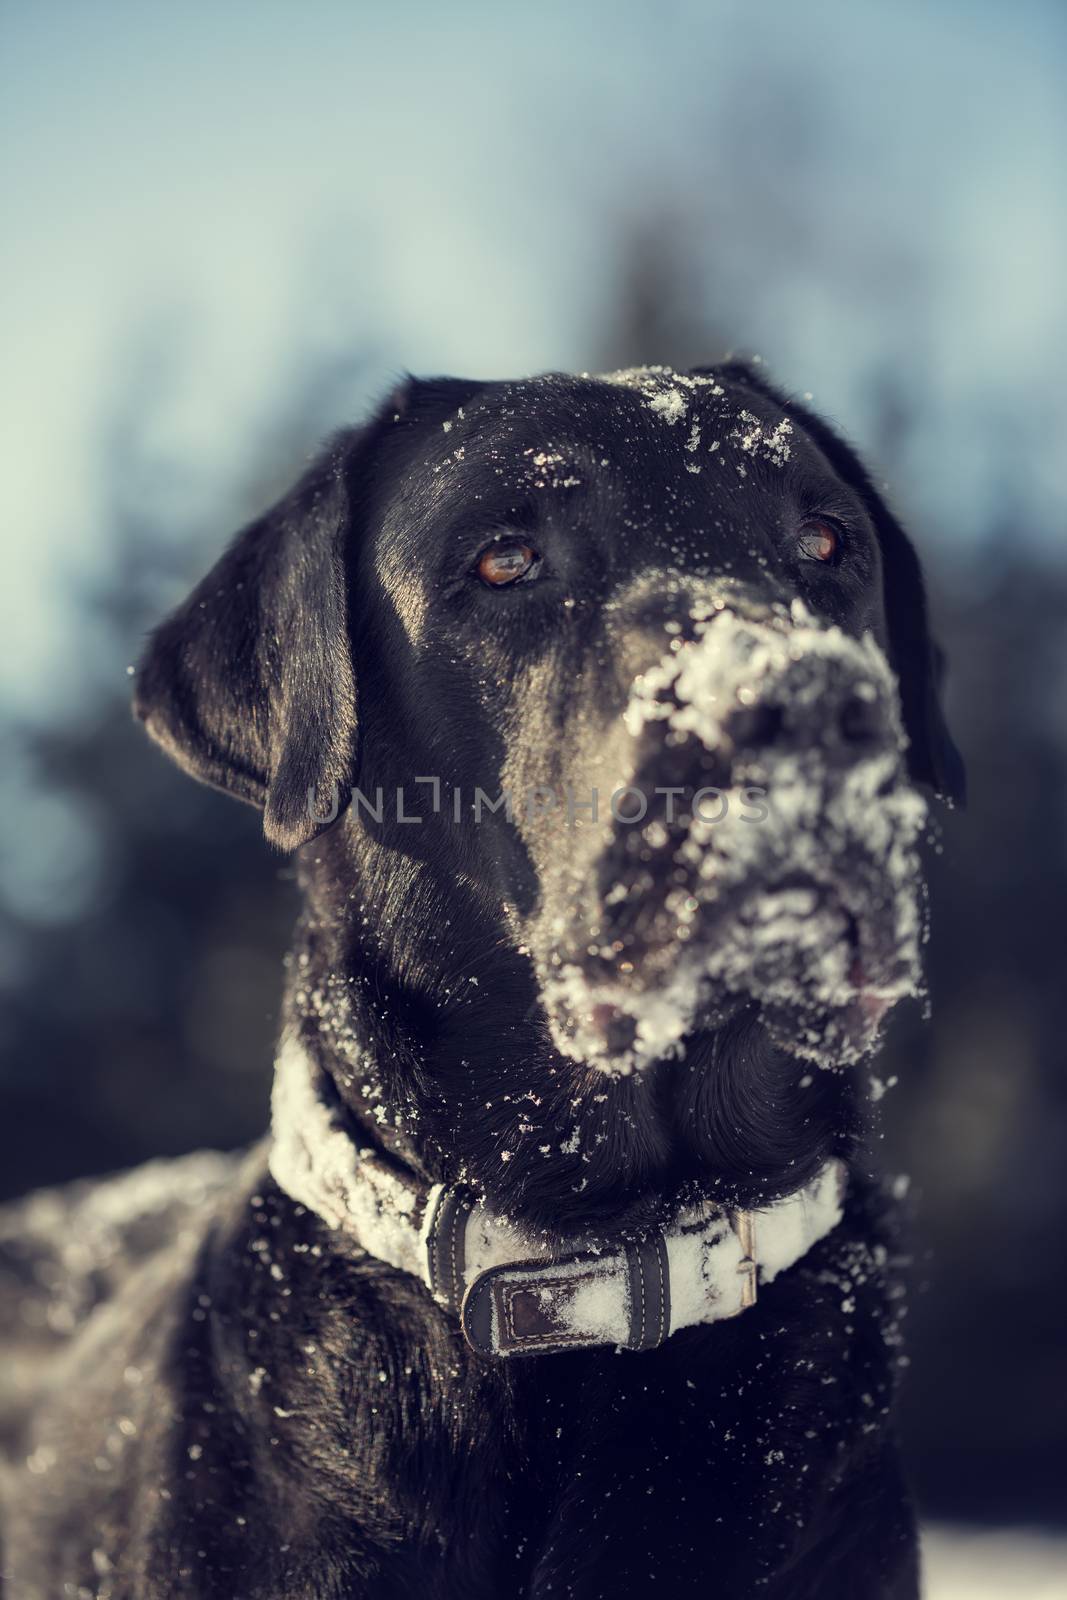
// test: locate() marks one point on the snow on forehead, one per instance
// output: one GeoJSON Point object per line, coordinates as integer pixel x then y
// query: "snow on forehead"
{"type": "Point", "coordinates": [668, 395]}
{"type": "Point", "coordinates": [537, 425]}
{"type": "Point", "coordinates": [666, 392]}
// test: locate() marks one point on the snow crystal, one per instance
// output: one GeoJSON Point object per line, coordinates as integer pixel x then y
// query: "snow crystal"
{"type": "Point", "coordinates": [755, 439]}
{"type": "Point", "coordinates": [670, 404]}
{"type": "Point", "coordinates": [665, 391]}
{"type": "Point", "coordinates": [544, 474]}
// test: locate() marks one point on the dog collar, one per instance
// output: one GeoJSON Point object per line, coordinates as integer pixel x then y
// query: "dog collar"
{"type": "Point", "coordinates": [513, 1294]}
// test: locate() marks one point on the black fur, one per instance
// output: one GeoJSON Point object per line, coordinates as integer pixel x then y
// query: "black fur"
{"type": "Point", "coordinates": [306, 1424]}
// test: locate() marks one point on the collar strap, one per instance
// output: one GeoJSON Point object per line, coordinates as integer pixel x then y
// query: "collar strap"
{"type": "Point", "coordinates": [512, 1293]}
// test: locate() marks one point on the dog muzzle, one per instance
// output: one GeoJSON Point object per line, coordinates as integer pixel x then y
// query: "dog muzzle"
{"type": "Point", "coordinates": [513, 1293]}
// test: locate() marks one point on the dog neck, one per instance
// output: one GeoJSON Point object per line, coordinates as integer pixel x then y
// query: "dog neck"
{"type": "Point", "coordinates": [515, 1294]}
{"type": "Point", "coordinates": [418, 1002]}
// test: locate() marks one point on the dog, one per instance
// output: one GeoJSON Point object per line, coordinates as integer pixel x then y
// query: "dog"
{"type": "Point", "coordinates": [597, 712]}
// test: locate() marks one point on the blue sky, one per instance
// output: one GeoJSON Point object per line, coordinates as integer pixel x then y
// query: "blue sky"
{"type": "Point", "coordinates": [866, 189]}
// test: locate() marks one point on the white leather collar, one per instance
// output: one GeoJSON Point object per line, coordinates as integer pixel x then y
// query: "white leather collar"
{"type": "Point", "coordinates": [513, 1293]}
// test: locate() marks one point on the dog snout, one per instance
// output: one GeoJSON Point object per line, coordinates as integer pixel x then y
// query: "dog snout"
{"type": "Point", "coordinates": [781, 710]}
{"type": "Point", "coordinates": [772, 828]}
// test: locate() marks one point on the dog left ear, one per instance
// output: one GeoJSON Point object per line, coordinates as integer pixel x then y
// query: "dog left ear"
{"type": "Point", "coordinates": [249, 684]}
{"type": "Point", "coordinates": [915, 656]}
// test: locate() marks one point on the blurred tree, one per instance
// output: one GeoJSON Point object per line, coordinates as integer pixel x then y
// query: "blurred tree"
{"type": "Point", "coordinates": [980, 1115]}
{"type": "Point", "coordinates": [144, 958]}
{"type": "Point", "coordinates": [657, 316]}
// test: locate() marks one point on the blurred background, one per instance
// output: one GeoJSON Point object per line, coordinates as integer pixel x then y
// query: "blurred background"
{"type": "Point", "coordinates": [228, 229]}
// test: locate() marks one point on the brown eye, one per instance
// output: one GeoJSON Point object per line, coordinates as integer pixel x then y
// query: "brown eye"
{"type": "Point", "coordinates": [506, 562]}
{"type": "Point", "coordinates": [818, 541]}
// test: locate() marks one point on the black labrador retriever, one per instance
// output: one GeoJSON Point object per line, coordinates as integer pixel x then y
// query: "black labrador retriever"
{"type": "Point", "coordinates": [596, 710]}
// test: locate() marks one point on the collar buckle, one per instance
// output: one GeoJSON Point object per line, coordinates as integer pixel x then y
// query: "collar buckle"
{"type": "Point", "coordinates": [743, 1224]}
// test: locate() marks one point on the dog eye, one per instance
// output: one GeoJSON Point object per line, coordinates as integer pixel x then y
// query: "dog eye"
{"type": "Point", "coordinates": [818, 541]}
{"type": "Point", "coordinates": [507, 561]}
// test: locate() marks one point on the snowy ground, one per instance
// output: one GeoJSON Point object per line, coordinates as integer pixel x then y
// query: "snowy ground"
{"type": "Point", "coordinates": [997, 1564]}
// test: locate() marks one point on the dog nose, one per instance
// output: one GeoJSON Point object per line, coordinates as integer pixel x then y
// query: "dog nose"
{"type": "Point", "coordinates": [846, 719]}
{"type": "Point", "coordinates": [862, 719]}
{"type": "Point", "coordinates": [755, 727]}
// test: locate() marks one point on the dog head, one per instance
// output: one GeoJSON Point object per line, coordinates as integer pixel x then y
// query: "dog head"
{"type": "Point", "coordinates": [608, 695]}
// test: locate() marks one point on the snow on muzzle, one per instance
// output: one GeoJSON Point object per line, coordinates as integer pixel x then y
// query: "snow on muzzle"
{"type": "Point", "coordinates": [775, 860]}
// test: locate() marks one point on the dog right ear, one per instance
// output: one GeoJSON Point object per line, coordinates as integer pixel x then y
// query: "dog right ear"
{"type": "Point", "coordinates": [249, 685]}
{"type": "Point", "coordinates": [916, 658]}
